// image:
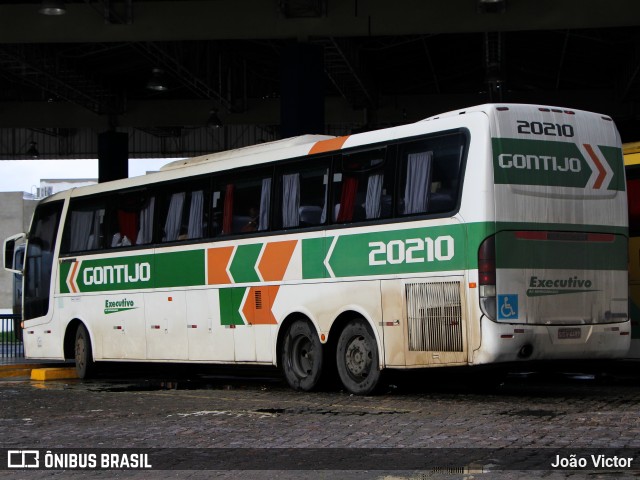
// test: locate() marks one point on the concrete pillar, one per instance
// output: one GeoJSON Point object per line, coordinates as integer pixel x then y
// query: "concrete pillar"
{"type": "Point", "coordinates": [302, 90]}
{"type": "Point", "coordinates": [113, 156]}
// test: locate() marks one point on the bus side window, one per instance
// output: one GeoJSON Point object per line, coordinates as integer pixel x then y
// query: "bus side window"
{"type": "Point", "coordinates": [362, 187]}
{"type": "Point", "coordinates": [182, 213]}
{"type": "Point", "coordinates": [416, 166]}
{"type": "Point", "coordinates": [242, 206]}
{"type": "Point", "coordinates": [84, 230]}
{"type": "Point", "coordinates": [303, 195]}
{"type": "Point", "coordinates": [131, 220]}
{"type": "Point", "coordinates": [429, 173]}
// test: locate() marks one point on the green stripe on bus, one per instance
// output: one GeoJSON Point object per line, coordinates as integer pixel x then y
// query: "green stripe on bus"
{"type": "Point", "coordinates": [549, 163]}
{"type": "Point", "coordinates": [108, 274]}
{"type": "Point", "coordinates": [244, 262]}
{"type": "Point", "coordinates": [314, 251]}
{"type": "Point", "coordinates": [179, 269]}
{"type": "Point", "coordinates": [615, 159]}
{"type": "Point", "coordinates": [413, 250]}
{"type": "Point", "coordinates": [64, 273]}
{"type": "Point", "coordinates": [521, 253]}
{"type": "Point", "coordinates": [230, 302]}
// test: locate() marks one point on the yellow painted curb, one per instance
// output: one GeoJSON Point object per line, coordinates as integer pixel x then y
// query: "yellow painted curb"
{"type": "Point", "coordinates": [53, 373]}
{"type": "Point", "coordinates": [15, 372]}
{"type": "Point", "coordinates": [18, 366]}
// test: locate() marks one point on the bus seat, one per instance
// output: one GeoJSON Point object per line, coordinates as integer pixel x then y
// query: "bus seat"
{"type": "Point", "coordinates": [442, 201]}
{"type": "Point", "coordinates": [310, 214]}
{"type": "Point", "coordinates": [240, 222]}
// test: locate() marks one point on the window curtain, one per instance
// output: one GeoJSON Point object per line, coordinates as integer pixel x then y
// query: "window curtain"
{"type": "Point", "coordinates": [416, 193]}
{"type": "Point", "coordinates": [145, 234]}
{"type": "Point", "coordinates": [291, 200]}
{"type": "Point", "coordinates": [81, 223]}
{"type": "Point", "coordinates": [128, 225]}
{"type": "Point", "coordinates": [373, 202]}
{"type": "Point", "coordinates": [265, 203]}
{"type": "Point", "coordinates": [174, 217]}
{"type": "Point", "coordinates": [227, 215]}
{"type": "Point", "coordinates": [94, 239]}
{"type": "Point", "coordinates": [347, 199]}
{"type": "Point", "coordinates": [196, 227]}
{"type": "Point", "coordinates": [325, 180]}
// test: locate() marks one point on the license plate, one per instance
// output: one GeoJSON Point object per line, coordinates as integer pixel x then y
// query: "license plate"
{"type": "Point", "coordinates": [565, 333]}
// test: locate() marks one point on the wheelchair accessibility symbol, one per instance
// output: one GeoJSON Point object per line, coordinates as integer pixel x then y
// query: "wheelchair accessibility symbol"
{"type": "Point", "coordinates": [507, 307]}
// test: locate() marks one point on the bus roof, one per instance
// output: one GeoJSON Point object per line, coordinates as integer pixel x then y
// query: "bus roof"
{"type": "Point", "coordinates": [286, 148]}
{"type": "Point", "coordinates": [493, 107]}
{"type": "Point", "coordinates": [258, 149]}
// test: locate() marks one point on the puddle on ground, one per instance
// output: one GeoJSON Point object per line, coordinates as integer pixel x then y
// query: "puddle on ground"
{"type": "Point", "coordinates": [321, 411]}
{"type": "Point", "coordinates": [187, 384]}
{"type": "Point", "coordinates": [532, 413]}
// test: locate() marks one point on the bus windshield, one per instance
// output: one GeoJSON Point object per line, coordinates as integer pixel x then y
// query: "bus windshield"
{"type": "Point", "coordinates": [41, 245]}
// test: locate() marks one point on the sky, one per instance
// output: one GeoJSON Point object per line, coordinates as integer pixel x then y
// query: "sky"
{"type": "Point", "coordinates": [25, 175]}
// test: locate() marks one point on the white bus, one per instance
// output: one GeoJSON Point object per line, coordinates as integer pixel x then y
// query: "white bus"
{"type": "Point", "coordinates": [492, 234]}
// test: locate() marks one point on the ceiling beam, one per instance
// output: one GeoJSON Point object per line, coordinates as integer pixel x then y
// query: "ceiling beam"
{"type": "Point", "coordinates": [392, 110]}
{"type": "Point", "coordinates": [259, 19]}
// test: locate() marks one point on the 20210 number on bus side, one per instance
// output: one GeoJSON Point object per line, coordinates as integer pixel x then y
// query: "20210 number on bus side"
{"type": "Point", "coordinates": [493, 234]}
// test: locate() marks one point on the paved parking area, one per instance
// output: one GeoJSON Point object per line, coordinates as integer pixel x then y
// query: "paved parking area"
{"type": "Point", "coordinates": [582, 411]}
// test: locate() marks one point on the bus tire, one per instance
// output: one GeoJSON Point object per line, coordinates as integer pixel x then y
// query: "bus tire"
{"type": "Point", "coordinates": [83, 352]}
{"type": "Point", "coordinates": [357, 358]}
{"type": "Point", "coordinates": [301, 356]}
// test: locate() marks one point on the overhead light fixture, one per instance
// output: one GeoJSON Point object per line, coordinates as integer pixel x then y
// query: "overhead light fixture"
{"type": "Point", "coordinates": [52, 7]}
{"type": "Point", "coordinates": [492, 6]}
{"type": "Point", "coordinates": [214, 120]}
{"type": "Point", "coordinates": [33, 150]}
{"type": "Point", "coordinates": [158, 81]}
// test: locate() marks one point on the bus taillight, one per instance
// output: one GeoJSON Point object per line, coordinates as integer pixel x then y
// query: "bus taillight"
{"type": "Point", "coordinates": [487, 276]}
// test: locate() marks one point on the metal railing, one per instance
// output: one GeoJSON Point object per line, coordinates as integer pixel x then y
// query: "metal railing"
{"type": "Point", "coordinates": [10, 336]}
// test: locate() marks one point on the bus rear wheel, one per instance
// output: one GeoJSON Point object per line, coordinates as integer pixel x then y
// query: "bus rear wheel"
{"type": "Point", "coordinates": [301, 356]}
{"type": "Point", "coordinates": [357, 358]}
{"type": "Point", "coordinates": [83, 353]}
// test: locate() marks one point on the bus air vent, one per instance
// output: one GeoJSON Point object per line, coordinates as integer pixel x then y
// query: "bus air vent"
{"type": "Point", "coordinates": [434, 316]}
{"type": "Point", "coordinates": [258, 299]}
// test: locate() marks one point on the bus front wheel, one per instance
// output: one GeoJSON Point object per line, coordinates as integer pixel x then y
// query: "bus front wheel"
{"type": "Point", "coordinates": [301, 356]}
{"type": "Point", "coordinates": [357, 358]}
{"type": "Point", "coordinates": [83, 353]}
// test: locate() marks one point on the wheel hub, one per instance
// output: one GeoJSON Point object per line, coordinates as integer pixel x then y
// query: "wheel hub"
{"type": "Point", "coordinates": [302, 356]}
{"type": "Point", "coordinates": [358, 358]}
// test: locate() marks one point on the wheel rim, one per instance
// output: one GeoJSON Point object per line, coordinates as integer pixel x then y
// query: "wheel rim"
{"type": "Point", "coordinates": [358, 357]}
{"type": "Point", "coordinates": [302, 356]}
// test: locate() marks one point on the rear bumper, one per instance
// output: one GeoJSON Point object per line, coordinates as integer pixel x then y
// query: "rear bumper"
{"type": "Point", "coordinates": [508, 342]}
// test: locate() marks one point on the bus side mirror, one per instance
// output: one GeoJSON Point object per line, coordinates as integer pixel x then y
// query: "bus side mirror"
{"type": "Point", "coordinates": [10, 251]}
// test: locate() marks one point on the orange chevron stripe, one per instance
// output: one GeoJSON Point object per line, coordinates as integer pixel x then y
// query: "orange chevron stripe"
{"type": "Point", "coordinates": [217, 262]}
{"type": "Point", "coordinates": [328, 145]}
{"type": "Point", "coordinates": [258, 304]}
{"type": "Point", "coordinates": [74, 272]}
{"type": "Point", "coordinates": [275, 260]}
{"type": "Point", "coordinates": [602, 173]}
